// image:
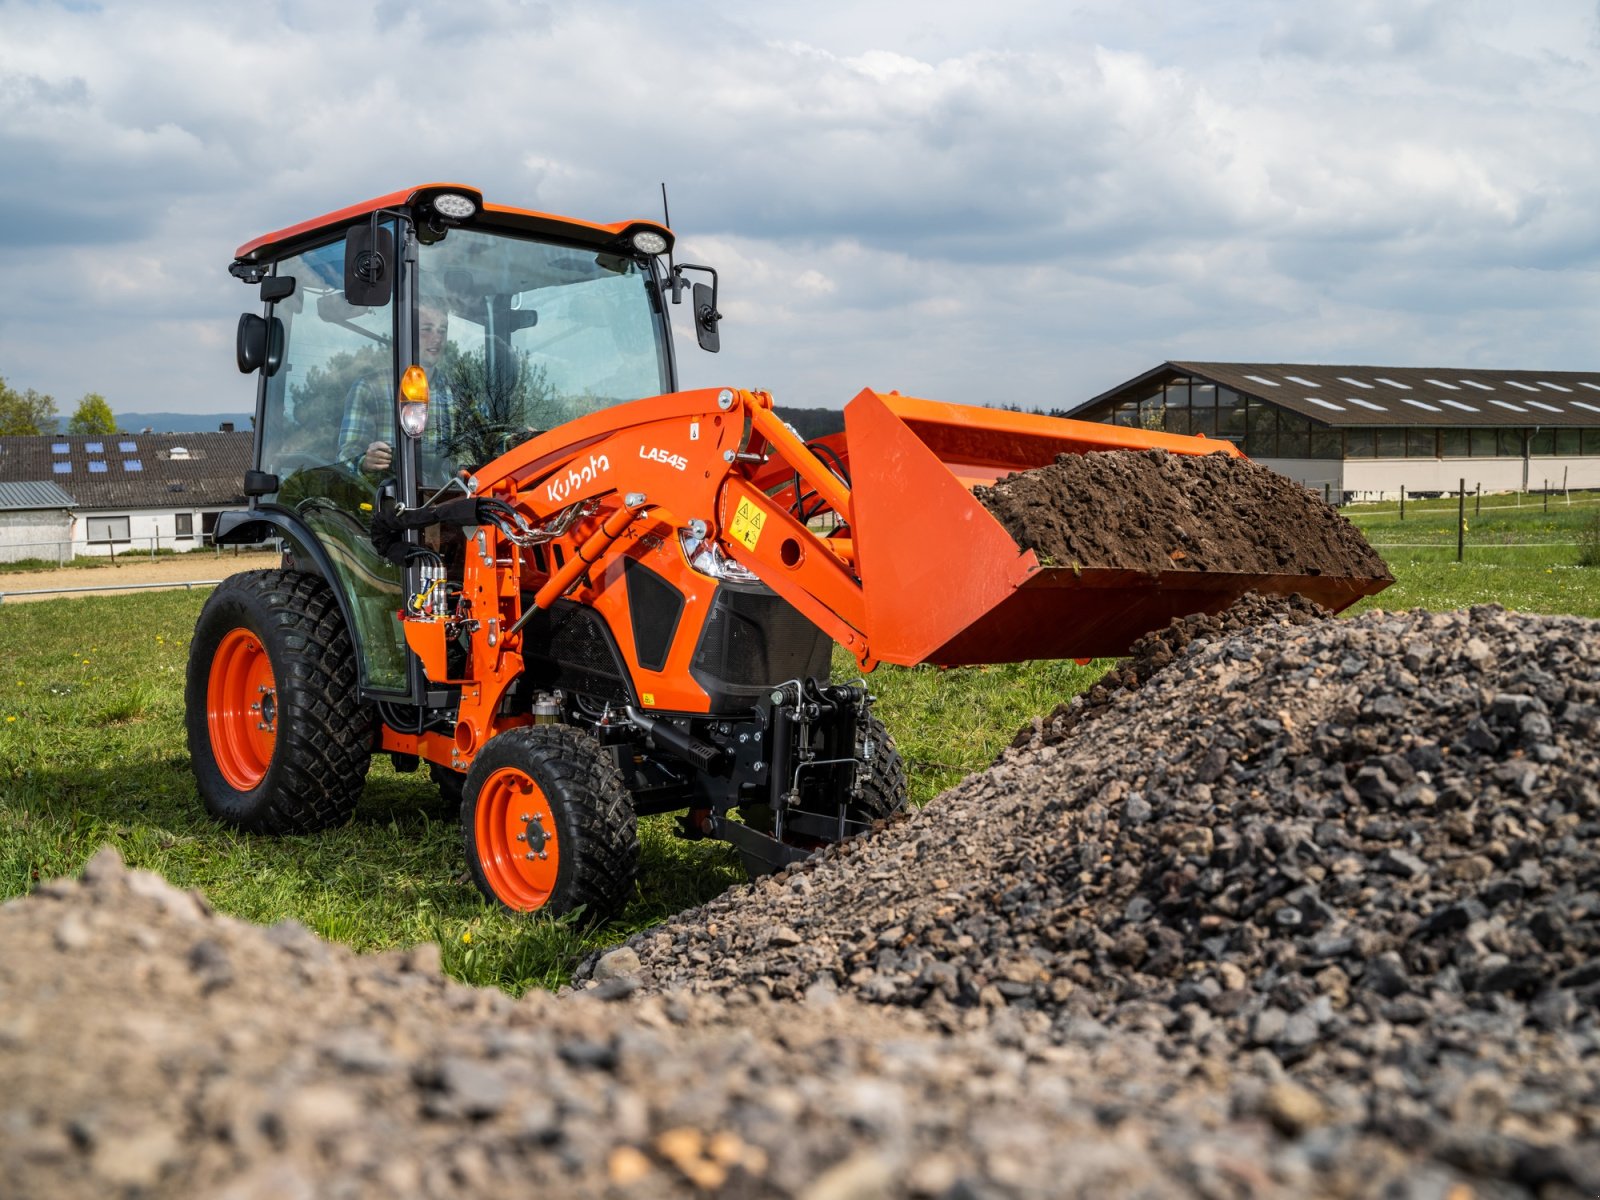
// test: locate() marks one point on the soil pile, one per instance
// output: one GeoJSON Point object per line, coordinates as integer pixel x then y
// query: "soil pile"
{"type": "Point", "coordinates": [154, 1048]}
{"type": "Point", "coordinates": [1352, 865]}
{"type": "Point", "coordinates": [1150, 510]}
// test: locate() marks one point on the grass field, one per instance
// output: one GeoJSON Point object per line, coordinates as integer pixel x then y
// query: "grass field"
{"type": "Point", "coordinates": [92, 750]}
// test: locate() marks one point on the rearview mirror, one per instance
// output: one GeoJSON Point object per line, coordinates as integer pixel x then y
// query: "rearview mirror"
{"type": "Point", "coordinates": [368, 266]}
{"type": "Point", "coordinates": [706, 317]}
{"type": "Point", "coordinates": [259, 343]}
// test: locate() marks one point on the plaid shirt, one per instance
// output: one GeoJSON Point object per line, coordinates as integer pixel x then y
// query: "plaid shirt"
{"type": "Point", "coordinates": [369, 417]}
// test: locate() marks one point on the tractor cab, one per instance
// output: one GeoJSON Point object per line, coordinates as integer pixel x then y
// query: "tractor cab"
{"type": "Point", "coordinates": [409, 341]}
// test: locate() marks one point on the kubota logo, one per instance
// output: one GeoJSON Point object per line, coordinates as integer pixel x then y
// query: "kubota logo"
{"type": "Point", "coordinates": [560, 488]}
{"type": "Point", "coordinates": [661, 456]}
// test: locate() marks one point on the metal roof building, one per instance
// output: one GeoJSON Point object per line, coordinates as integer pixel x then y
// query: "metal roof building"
{"type": "Point", "coordinates": [120, 490]}
{"type": "Point", "coordinates": [1361, 432]}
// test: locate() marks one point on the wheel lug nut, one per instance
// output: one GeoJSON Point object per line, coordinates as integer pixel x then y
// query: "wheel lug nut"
{"type": "Point", "coordinates": [522, 837]}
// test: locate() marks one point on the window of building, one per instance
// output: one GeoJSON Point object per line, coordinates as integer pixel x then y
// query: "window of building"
{"type": "Point", "coordinates": [1542, 443]}
{"type": "Point", "coordinates": [61, 468]}
{"type": "Point", "coordinates": [93, 448]}
{"type": "Point", "coordinates": [1568, 442]}
{"type": "Point", "coordinates": [97, 468]}
{"type": "Point", "coordinates": [1455, 443]}
{"type": "Point", "coordinates": [1510, 443]}
{"type": "Point", "coordinates": [1360, 443]}
{"type": "Point", "coordinates": [1422, 443]}
{"type": "Point", "coordinates": [108, 529]}
{"type": "Point", "coordinates": [1203, 420]}
{"type": "Point", "coordinates": [1591, 441]}
{"type": "Point", "coordinates": [1325, 443]}
{"type": "Point", "coordinates": [1391, 443]}
{"type": "Point", "coordinates": [185, 523]}
{"type": "Point", "coordinates": [1177, 394]}
{"type": "Point", "coordinates": [1294, 436]}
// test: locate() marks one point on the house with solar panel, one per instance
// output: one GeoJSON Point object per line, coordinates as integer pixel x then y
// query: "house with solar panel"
{"type": "Point", "coordinates": [1361, 433]}
{"type": "Point", "coordinates": [62, 496]}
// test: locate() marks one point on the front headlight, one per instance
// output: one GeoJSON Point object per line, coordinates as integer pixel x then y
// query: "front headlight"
{"type": "Point", "coordinates": [709, 559]}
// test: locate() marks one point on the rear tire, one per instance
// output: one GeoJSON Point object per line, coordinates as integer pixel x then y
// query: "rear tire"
{"type": "Point", "coordinates": [550, 791]}
{"type": "Point", "coordinates": [278, 740]}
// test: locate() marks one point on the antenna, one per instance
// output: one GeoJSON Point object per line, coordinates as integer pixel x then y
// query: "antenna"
{"type": "Point", "coordinates": [674, 279]}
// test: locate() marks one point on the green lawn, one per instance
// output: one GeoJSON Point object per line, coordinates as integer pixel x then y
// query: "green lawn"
{"type": "Point", "coordinates": [92, 750]}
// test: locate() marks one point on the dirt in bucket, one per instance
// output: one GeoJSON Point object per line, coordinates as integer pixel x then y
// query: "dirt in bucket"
{"type": "Point", "coordinates": [1150, 510]}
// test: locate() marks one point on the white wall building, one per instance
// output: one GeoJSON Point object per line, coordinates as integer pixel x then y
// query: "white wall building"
{"type": "Point", "coordinates": [120, 493]}
{"type": "Point", "coordinates": [1361, 433]}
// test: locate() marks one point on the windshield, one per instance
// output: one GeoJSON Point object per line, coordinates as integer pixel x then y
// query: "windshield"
{"type": "Point", "coordinates": [519, 336]}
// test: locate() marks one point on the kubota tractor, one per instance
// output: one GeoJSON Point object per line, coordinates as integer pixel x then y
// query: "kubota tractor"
{"type": "Point", "coordinates": [515, 552]}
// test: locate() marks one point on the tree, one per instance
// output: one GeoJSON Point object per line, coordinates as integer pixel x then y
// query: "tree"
{"type": "Point", "coordinates": [93, 415]}
{"type": "Point", "coordinates": [25, 413]}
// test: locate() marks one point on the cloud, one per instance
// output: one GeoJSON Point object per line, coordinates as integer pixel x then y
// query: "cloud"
{"type": "Point", "coordinates": [961, 201]}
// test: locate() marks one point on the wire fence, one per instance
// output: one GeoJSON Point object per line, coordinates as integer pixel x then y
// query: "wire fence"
{"type": "Point", "coordinates": [1532, 527]}
{"type": "Point", "coordinates": [64, 552]}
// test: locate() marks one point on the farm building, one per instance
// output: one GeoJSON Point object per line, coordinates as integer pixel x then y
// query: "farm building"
{"type": "Point", "coordinates": [1359, 433]}
{"type": "Point", "coordinates": [116, 493]}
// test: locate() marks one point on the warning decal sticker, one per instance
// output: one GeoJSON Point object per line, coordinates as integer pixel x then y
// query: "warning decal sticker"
{"type": "Point", "coordinates": [747, 522]}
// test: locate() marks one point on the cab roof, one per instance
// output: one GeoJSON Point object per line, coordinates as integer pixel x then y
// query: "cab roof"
{"type": "Point", "coordinates": [420, 199]}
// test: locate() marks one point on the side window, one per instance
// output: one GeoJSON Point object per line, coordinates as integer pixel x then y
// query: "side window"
{"type": "Point", "coordinates": [332, 396]}
{"type": "Point", "coordinates": [334, 393]}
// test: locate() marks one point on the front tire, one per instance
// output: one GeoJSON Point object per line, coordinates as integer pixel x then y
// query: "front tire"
{"type": "Point", "coordinates": [278, 740]}
{"type": "Point", "coordinates": [549, 825]}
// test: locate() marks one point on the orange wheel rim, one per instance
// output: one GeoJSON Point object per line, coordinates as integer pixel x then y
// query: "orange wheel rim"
{"type": "Point", "coordinates": [516, 837]}
{"type": "Point", "coordinates": [242, 709]}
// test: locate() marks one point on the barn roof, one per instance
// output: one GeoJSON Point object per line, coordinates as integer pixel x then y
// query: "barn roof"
{"type": "Point", "coordinates": [1358, 395]}
{"type": "Point", "coordinates": [133, 470]}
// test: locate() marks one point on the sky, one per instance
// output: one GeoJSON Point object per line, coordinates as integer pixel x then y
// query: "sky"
{"type": "Point", "coordinates": [996, 203]}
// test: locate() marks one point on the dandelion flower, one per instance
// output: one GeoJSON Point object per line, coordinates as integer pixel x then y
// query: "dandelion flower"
{"type": "Point", "coordinates": [467, 936]}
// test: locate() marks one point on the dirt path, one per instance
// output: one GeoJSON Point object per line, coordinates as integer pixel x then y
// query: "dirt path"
{"type": "Point", "coordinates": [130, 573]}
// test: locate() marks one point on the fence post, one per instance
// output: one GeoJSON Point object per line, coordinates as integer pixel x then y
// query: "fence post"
{"type": "Point", "coordinates": [1402, 502]}
{"type": "Point", "coordinates": [1477, 500]}
{"type": "Point", "coordinates": [1461, 520]}
{"type": "Point", "coordinates": [1547, 495]}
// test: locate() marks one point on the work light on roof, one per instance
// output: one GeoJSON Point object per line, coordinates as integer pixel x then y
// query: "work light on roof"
{"type": "Point", "coordinates": [454, 205]}
{"type": "Point", "coordinates": [648, 241]}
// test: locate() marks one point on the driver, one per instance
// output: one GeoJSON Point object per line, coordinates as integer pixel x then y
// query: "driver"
{"type": "Point", "coordinates": [369, 414]}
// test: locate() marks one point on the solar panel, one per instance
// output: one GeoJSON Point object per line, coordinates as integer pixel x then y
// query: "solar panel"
{"type": "Point", "coordinates": [126, 447]}
{"type": "Point", "coordinates": [93, 448]}
{"type": "Point", "coordinates": [60, 448]}
{"type": "Point", "coordinates": [61, 468]}
{"type": "Point", "coordinates": [132, 464]}
{"type": "Point", "coordinates": [97, 468]}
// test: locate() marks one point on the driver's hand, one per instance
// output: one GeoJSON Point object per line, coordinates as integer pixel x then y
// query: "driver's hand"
{"type": "Point", "coordinates": [378, 457]}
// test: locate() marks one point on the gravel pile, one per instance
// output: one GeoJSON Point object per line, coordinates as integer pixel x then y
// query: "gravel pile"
{"type": "Point", "coordinates": [1347, 869]}
{"type": "Point", "coordinates": [154, 1048]}
{"type": "Point", "coordinates": [1150, 510]}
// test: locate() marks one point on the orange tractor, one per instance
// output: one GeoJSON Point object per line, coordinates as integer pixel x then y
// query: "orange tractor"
{"type": "Point", "coordinates": [515, 552]}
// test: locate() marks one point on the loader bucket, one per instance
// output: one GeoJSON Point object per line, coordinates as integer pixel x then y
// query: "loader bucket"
{"type": "Point", "coordinates": [945, 583]}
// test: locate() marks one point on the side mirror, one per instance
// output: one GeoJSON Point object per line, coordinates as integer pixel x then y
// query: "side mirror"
{"type": "Point", "coordinates": [259, 343]}
{"type": "Point", "coordinates": [368, 266]}
{"type": "Point", "coordinates": [706, 317]}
